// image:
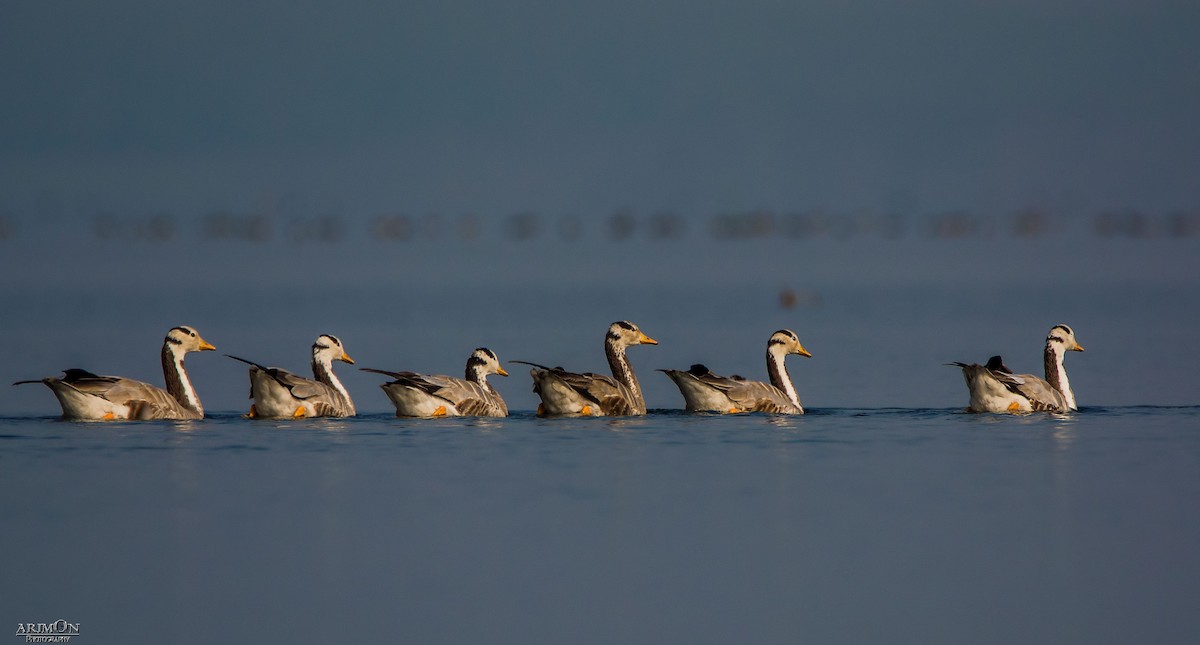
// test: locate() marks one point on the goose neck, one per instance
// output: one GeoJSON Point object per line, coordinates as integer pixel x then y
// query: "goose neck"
{"type": "Point", "coordinates": [623, 372]}
{"type": "Point", "coordinates": [777, 370]}
{"type": "Point", "coordinates": [1056, 371]}
{"type": "Point", "coordinates": [179, 386]}
{"type": "Point", "coordinates": [323, 371]}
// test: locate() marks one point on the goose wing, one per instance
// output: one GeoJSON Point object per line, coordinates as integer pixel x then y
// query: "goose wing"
{"type": "Point", "coordinates": [706, 376]}
{"type": "Point", "coordinates": [299, 387]}
{"type": "Point", "coordinates": [702, 390]}
{"type": "Point", "coordinates": [757, 396]}
{"type": "Point", "coordinates": [94, 384]}
{"type": "Point", "coordinates": [453, 390]}
{"type": "Point", "coordinates": [994, 387]}
{"type": "Point", "coordinates": [613, 398]}
{"type": "Point", "coordinates": [156, 403]}
{"type": "Point", "coordinates": [1042, 396]}
{"type": "Point", "coordinates": [442, 387]}
{"type": "Point", "coordinates": [145, 401]}
{"type": "Point", "coordinates": [478, 401]}
{"type": "Point", "coordinates": [325, 400]}
{"type": "Point", "coordinates": [705, 390]}
{"type": "Point", "coordinates": [395, 375]}
{"type": "Point", "coordinates": [468, 398]}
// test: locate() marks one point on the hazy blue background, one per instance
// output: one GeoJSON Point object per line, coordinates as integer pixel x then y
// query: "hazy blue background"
{"type": "Point", "coordinates": [697, 106]}
{"type": "Point", "coordinates": [423, 178]}
{"type": "Point", "coordinates": [297, 110]}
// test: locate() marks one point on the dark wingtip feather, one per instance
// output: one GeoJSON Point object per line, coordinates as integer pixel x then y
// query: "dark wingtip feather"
{"type": "Point", "coordinates": [238, 358]}
{"type": "Point", "coordinates": [540, 367]}
{"type": "Point", "coordinates": [384, 372]}
{"type": "Point", "coordinates": [996, 364]}
{"type": "Point", "coordinates": [75, 374]}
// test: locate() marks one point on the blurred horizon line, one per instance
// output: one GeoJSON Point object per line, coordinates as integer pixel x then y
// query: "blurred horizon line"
{"type": "Point", "coordinates": [619, 225]}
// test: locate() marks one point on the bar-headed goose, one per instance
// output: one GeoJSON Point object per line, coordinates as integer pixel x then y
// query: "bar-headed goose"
{"type": "Point", "coordinates": [279, 393]}
{"type": "Point", "coordinates": [587, 394]}
{"type": "Point", "coordinates": [704, 391]}
{"type": "Point", "coordinates": [435, 395]}
{"type": "Point", "coordinates": [994, 388]}
{"type": "Point", "coordinates": [87, 396]}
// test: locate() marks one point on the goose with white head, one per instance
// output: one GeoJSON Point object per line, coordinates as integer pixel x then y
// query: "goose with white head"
{"type": "Point", "coordinates": [278, 393]}
{"type": "Point", "coordinates": [704, 391]}
{"type": "Point", "coordinates": [91, 397]}
{"type": "Point", "coordinates": [436, 395]}
{"type": "Point", "coordinates": [566, 393]}
{"type": "Point", "coordinates": [994, 388]}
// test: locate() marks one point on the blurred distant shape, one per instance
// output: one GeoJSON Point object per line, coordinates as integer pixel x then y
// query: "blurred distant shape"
{"type": "Point", "coordinates": [228, 226]}
{"type": "Point", "coordinates": [1139, 225]}
{"type": "Point", "coordinates": [523, 226]}
{"type": "Point", "coordinates": [791, 298]}
{"type": "Point", "coordinates": [622, 225]}
{"type": "Point", "coordinates": [324, 228]}
{"type": "Point", "coordinates": [155, 228]}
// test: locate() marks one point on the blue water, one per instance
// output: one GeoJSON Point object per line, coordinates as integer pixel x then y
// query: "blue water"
{"type": "Point", "coordinates": [845, 525]}
{"type": "Point", "coordinates": [884, 515]}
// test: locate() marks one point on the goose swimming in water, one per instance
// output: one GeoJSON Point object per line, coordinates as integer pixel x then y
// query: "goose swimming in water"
{"type": "Point", "coordinates": [567, 393]}
{"type": "Point", "coordinates": [427, 395]}
{"type": "Point", "coordinates": [87, 396]}
{"type": "Point", "coordinates": [994, 388]}
{"type": "Point", "coordinates": [704, 391]}
{"type": "Point", "coordinates": [279, 393]}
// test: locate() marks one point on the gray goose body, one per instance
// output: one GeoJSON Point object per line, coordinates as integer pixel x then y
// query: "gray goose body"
{"type": "Point", "coordinates": [436, 395]}
{"type": "Point", "coordinates": [994, 388]}
{"type": "Point", "coordinates": [91, 397]}
{"type": "Point", "coordinates": [566, 393]}
{"type": "Point", "coordinates": [704, 391]}
{"type": "Point", "coordinates": [278, 393]}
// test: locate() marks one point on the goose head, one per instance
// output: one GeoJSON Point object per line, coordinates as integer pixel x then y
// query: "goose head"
{"type": "Point", "coordinates": [1064, 337]}
{"type": "Point", "coordinates": [484, 361]}
{"type": "Point", "coordinates": [184, 339]}
{"type": "Point", "coordinates": [785, 342]}
{"type": "Point", "coordinates": [327, 348]}
{"type": "Point", "coordinates": [626, 334]}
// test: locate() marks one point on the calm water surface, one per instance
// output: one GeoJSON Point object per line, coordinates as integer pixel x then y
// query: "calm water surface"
{"type": "Point", "coordinates": [845, 525]}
